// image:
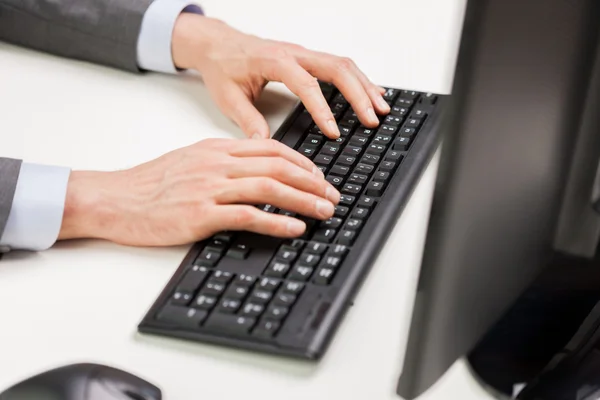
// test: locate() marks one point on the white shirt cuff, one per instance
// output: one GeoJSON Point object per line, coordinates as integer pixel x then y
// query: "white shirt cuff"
{"type": "Point", "coordinates": [36, 214]}
{"type": "Point", "coordinates": [156, 33]}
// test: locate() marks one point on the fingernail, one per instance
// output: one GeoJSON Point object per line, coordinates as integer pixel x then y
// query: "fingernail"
{"type": "Point", "coordinates": [324, 208]}
{"type": "Point", "coordinates": [318, 172]}
{"type": "Point", "coordinates": [295, 227]}
{"type": "Point", "coordinates": [372, 115]}
{"type": "Point", "coordinates": [332, 195]}
{"type": "Point", "coordinates": [382, 104]}
{"type": "Point", "coordinates": [333, 128]}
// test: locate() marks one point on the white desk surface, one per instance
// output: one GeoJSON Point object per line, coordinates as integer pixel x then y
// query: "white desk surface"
{"type": "Point", "coordinates": [82, 300]}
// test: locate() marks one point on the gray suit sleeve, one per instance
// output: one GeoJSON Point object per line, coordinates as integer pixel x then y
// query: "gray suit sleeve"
{"type": "Point", "coordinates": [9, 175]}
{"type": "Point", "coordinates": [100, 31]}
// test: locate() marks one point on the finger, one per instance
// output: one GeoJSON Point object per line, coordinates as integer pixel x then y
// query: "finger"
{"type": "Point", "coordinates": [306, 87]}
{"type": "Point", "coordinates": [262, 190]}
{"type": "Point", "coordinates": [287, 173]}
{"type": "Point", "coordinates": [272, 148]}
{"type": "Point", "coordinates": [364, 96]}
{"type": "Point", "coordinates": [234, 103]}
{"type": "Point", "coordinates": [249, 218]}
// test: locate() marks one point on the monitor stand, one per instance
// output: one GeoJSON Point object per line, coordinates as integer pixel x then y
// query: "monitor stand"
{"type": "Point", "coordinates": [538, 326]}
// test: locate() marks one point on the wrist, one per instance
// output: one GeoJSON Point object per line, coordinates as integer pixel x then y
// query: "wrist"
{"type": "Point", "coordinates": [89, 205]}
{"type": "Point", "coordinates": [193, 36]}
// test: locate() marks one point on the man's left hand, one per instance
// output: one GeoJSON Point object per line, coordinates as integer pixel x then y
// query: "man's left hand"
{"type": "Point", "coordinates": [236, 67]}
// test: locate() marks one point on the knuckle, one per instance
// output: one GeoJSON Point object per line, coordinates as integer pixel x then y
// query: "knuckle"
{"type": "Point", "coordinates": [244, 217]}
{"type": "Point", "coordinates": [308, 86]}
{"type": "Point", "coordinates": [344, 64]}
{"type": "Point", "coordinates": [266, 185]}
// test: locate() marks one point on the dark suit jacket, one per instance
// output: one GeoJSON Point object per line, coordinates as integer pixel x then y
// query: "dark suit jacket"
{"type": "Point", "coordinates": [104, 32]}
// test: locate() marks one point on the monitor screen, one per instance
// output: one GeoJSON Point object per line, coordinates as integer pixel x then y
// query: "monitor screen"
{"type": "Point", "coordinates": [508, 139]}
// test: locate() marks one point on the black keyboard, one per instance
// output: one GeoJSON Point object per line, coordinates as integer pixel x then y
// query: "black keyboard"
{"type": "Point", "coordinates": [285, 296]}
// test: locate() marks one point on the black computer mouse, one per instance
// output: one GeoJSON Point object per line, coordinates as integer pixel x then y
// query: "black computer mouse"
{"type": "Point", "coordinates": [83, 382]}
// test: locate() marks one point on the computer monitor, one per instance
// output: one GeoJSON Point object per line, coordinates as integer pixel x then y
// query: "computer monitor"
{"type": "Point", "coordinates": [519, 122]}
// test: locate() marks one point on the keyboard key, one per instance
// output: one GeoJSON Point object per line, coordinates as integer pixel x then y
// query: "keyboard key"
{"type": "Point", "coordinates": [323, 159]}
{"type": "Point", "coordinates": [277, 269]}
{"type": "Point", "coordinates": [366, 201]}
{"type": "Point", "coordinates": [347, 237]}
{"type": "Point", "coordinates": [307, 150]}
{"type": "Point", "coordinates": [222, 276]}
{"type": "Point", "coordinates": [360, 212]}
{"type": "Point", "coordinates": [287, 254]}
{"type": "Point", "coordinates": [428, 98]}
{"type": "Point", "coordinates": [237, 292]}
{"type": "Point", "coordinates": [404, 102]}
{"type": "Point", "coordinates": [387, 166]}
{"type": "Point", "coordinates": [205, 302]}
{"type": "Point", "coordinates": [346, 200]}
{"type": "Point", "coordinates": [382, 139]}
{"type": "Point", "coordinates": [370, 159]}
{"type": "Point", "coordinates": [316, 248]}
{"type": "Point", "coordinates": [393, 120]}
{"type": "Point", "coordinates": [324, 276]}
{"type": "Point", "coordinates": [363, 131]}
{"type": "Point", "coordinates": [314, 140]}
{"type": "Point", "coordinates": [364, 169]}
{"type": "Point", "coordinates": [300, 273]}
{"type": "Point", "coordinates": [393, 155]}
{"type": "Point", "coordinates": [224, 236]}
{"type": "Point", "coordinates": [359, 141]}
{"type": "Point", "coordinates": [350, 122]}
{"type": "Point", "coordinates": [266, 329]}
{"type": "Point", "coordinates": [352, 150]}
{"type": "Point", "coordinates": [268, 208]}
{"type": "Point", "coordinates": [216, 246]}
{"type": "Point", "coordinates": [276, 313]}
{"type": "Point", "coordinates": [287, 213]}
{"type": "Point", "coordinates": [339, 250]}
{"type": "Point", "coordinates": [239, 252]}
{"type": "Point", "coordinates": [358, 179]}
{"type": "Point", "coordinates": [344, 130]}
{"type": "Point", "coordinates": [413, 123]}
{"type": "Point", "coordinates": [336, 181]}
{"type": "Point", "coordinates": [192, 279]}
{"type": "Point", "coordinates": [331, 262]}
{"type": "Point", "coordinates": [324, 235]}
{"type": "Point", "coordinates": [376, 149]}
{"type": "Point", "coordinates": [346, 160]}
{"type": "Point", "coordinates": [401, 143]}
{"type": "Point", "coordinates": [332, 223]}
{"type": "Point", "coordinates": [181, 316]}
{"type": "Point", "coordinates": [309, 260]}
{"type": "Point", "coordinates": [330, 149]}
{"type": "Point", "coordinates": [353, 224]}
{"type": "Point", "coordinates": [351, 189]}
{"type": "Point", "coordinates": [387, 130]}
{"type": "Point", "coordinates": [209, 257]}
{"type": "Point", "coordinates": [285, 300]}
{"type": "Point", "coordinates": [418, 113]}
{"type": "Point", "coordinates": [229, 323]}
{"type": "Point", "coordinates": [293, 136]}
{"type": "Point", "coordinates": [292, 287]}
{"type": "Point", "coordinates": [340, 211]}
{"type": "Point", "coordinates": [252, 309]}
{"type": "Point", "coordinates": [213, 288]}
{"type": "Point", "coordinates": [181, 298]}
{"type": "Point", "coordinates": [269, 284]}
{"type": "Point", "coordinates": [390, 94]}
{"type": "Point", "coordinates": [407, 132]}
{"type": "Point", "coordinates": [245, 280]}
{"type": "Point", "coordinates": [340, 170]}
{"type": "Point", "coordinates": [381, 176]}
{"type": "Point", "coordinates": [297, 244]}
{"type": "Point", "coordinates": [409, 94]}
{"type": "Point", "coordinates": [399, 111]}
{"type": "Point", "coordinates": [229, 305]}
{"type": "Point", "coordinates": [261, 296]}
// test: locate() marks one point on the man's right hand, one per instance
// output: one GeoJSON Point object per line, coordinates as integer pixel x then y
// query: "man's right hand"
{"type": "Point", "coordinates": [191, 193]}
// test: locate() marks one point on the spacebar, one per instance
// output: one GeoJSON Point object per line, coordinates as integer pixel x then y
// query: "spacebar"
{"type": "Point", "coordinates": [297, 130]}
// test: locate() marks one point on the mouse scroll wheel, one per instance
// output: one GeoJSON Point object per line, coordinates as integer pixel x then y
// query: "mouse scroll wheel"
{"type": "Point", "coordinates": [135, 396]}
